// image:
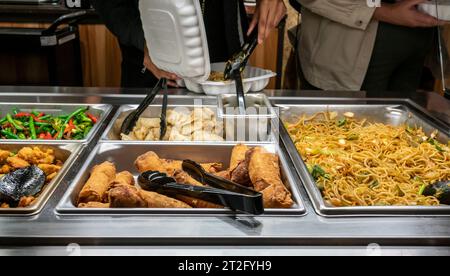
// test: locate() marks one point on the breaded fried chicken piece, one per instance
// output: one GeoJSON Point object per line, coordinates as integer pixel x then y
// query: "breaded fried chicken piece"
{"type": "Point", "coordinates": [17, 163]}
{"type": "Point", "coordinates": [49, 169]}
{"type": "Point", "coordinates": [4, 154]}
{"type": "Point", "coordinates": [36, 155]}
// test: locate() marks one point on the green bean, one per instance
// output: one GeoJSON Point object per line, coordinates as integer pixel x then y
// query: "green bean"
{"type": "Point", "coordinates": [9, 135]}
{"type": "Point", "coordinates": [32, 129]}
{"type": "Point", "coordinates": [42, 124]}
{"type": "Point", "coordinates": [78, 111]}
{"type": "Point", "coordinates": [3, 120]}
{"type": "Point", "coordinates": [12, 122]}
{"type": "Point", "coordinates": [43, 118]}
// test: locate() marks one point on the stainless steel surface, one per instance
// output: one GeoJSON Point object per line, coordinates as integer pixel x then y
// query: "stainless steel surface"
{"type": "Point", "coordinates": [112, 133]}
{"type": "Point", "coordinates": [124, 156]}
{"type": "Point", "coordinates": [101, 111]}
{"type": "Point", "coordinates": [64, 152]}
{"type": "Point", "coordinates": [310, 232]}
{"type": "Point", "coordinates": [258, 105]}
{"type": "Point", "coordinates": [394, 114]}
{"type": "Point", "coordinates": [225, 251]}
{"type": "Point", "coordinates": [258, 123]}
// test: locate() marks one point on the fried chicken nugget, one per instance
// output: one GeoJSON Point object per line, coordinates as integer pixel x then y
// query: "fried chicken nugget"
{"type": "Point", "coordinates": [37, 155]}
{"type": "Point", "coordinates": [265, 175]}
{"type": "Point", "coordinates": [17, 163]}
{"type": "Point", "coordinates": [49, 169]}
{"type": "Point", "coordinates": [5, 169]}
{"type": "Point", "coordinates": [4, 154]}
{"type": "Point", "coordinates": [98, 183]}
{"type": "Point", "coordinates": [26, 201]}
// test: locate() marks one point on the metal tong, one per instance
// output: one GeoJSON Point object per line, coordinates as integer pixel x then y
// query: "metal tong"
{"type": "Point", "coordinates": [236, 65]}
{"type": "Point", "coordinates": [130, 121]}
{"type": "Point", "coordinates": [222, 192]}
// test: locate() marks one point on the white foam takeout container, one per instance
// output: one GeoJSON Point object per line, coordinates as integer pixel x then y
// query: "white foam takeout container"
{"type": "Point", "coordinates": [176, 38]}
{"type": "Point", "coordinates": [442, 12]}
{"type": "Point", "coordinates": [255, 80]}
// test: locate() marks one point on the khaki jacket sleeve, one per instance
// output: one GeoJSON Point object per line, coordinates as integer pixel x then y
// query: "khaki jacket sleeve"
{"type": "Point", "coordinates": [353, 13]}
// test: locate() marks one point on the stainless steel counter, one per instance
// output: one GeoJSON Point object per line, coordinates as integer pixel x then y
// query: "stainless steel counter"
{"type": "Point", "coordinates": [294, 232]}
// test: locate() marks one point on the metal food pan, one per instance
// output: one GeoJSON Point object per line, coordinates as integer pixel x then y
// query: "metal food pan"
{"type": "Point", "coordinates": [124, 155]}
{"type": "Point", "coordinates": [260, 123]}
{"type": "Point", "coordinates": [391, 114]}
{"type": "Point", "coordinates": [112, 132]}
{"type": "Point", "coordinates": [101, 111]}
{"type": "Point", "coordinates": [230, 134]}
{"type": "Point", "coordinates": [64, 152]}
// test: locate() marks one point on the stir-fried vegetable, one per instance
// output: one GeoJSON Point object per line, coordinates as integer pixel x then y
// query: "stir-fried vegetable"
{"type": "Point", "coordinates": [37, 125]}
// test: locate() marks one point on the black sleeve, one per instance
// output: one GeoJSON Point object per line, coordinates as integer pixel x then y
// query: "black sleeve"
{"type": "Point", "coordinates": [123, 19]}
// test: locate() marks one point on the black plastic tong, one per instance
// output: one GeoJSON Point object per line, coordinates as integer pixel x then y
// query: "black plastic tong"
{"type": "Point", "coordinates": [130, 121]}
{"type": "Point", "coordinates": [222, 192]}
{"type": "Point", "coordinates": [236, 65]}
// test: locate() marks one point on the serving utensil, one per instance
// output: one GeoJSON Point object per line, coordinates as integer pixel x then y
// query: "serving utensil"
{"type": "Point", "coordinates": [236, 66]}
{"type": "Point", "coordinates": [130, 121]}
{"type": "Point", "coordinates": [222, 192]}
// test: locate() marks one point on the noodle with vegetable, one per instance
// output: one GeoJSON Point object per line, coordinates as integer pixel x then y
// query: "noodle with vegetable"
{"type": "Point", "coordinates": [357, 163]}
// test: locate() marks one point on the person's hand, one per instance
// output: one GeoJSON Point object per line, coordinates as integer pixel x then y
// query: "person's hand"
{"type": "Point", "coordinates": [267, 16]}
{"type": "Point", "coordinates": [158, 73]}
{"type": "Point", "coordinates": [405, 13]}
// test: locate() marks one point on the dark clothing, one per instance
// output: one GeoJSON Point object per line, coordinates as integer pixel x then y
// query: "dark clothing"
{"type": "Point", "coordinates": [398, 58]}
{"type": "Point", "coordinates": [122, 18]}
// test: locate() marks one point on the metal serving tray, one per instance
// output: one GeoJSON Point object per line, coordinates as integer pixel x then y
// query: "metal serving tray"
{"type": "Point", "coordinates": [395, 114]}
{"type": "Point", "coordinates": [99, 110]}
{"type": "Point", "coordinates": [112, 132]}
{"type": "Point", "coordinates": [64, 152]}
{"type": "Point", "coordinates": [124, 155]}
{"type": "Point", "coordinates": [260, 123]}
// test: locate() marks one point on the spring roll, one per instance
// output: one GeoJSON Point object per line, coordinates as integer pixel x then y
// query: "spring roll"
{"type": "Point", "coordinates": [150, 161]}
{"type": "Point", "coordinates": [237, 156]}
{"type": "Point", "coordinates": [94, 205]}
{"type": "Point", "coordinates": [265, 175]}
{"type": "Point", "coordinates": [126, 196]}
{"type": "Point", "coordinates": [198, 203]}
{"type": "Point", "coordinates": [155, 200]}
{"type": "Point", "coordinates": [240, 173]}
{"type": "Point", "coordinates": [98, 184]}
{"type": "Point", "coordinates": [122, 178]}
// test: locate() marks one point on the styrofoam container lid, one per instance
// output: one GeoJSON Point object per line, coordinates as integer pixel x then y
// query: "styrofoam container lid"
{"type": "Point", "coordinates": [176, 37]}
{"type": "Point", "coordinates": [442, 12]}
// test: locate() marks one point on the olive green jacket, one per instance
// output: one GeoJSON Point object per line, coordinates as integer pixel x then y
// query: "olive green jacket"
{"type": "Point", "coordinates": [337, 38]}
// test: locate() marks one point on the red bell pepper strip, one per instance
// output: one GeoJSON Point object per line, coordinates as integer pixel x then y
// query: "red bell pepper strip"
{"type": "Point", "coordinates": [92, 117]}
{"type": "Point", "coordinates": [22, 114]}
{"type": "Point", "coordinates": [70, 126]}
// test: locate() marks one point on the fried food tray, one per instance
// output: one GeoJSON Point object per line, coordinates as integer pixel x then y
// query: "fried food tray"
{"type": "Point", "coordinates": [101, 111]}
{"type": "Point", "coordinates": [67, 153]}
{"type": "Point", "coordinates": [391, 112]}
{"type": "Point", "coordinates": [123, 156]}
